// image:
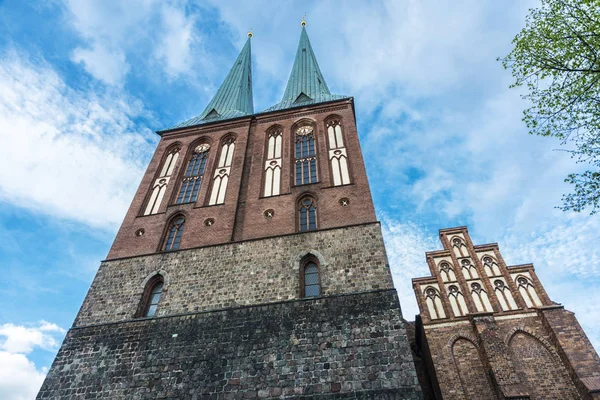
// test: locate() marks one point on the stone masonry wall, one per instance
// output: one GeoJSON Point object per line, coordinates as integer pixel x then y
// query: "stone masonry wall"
{"type": "Point", "coordinates": [353, 259]}
{"type": "Point", "coordinates": [347, 346]}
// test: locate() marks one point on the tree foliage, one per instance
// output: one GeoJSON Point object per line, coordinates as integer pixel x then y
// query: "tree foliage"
{"type": "Point", "coordinates": [556, 58]}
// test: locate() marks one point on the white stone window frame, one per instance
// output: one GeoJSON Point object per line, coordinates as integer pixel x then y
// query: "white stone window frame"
{"type": "Point", "coordinates": [273, 163]}
{"type": "Point", "coordinates": [222, 172]}
{"type": "Point", "coordinates": [159, 188]}
{"type": "Point", "coordinates": [338, 155]}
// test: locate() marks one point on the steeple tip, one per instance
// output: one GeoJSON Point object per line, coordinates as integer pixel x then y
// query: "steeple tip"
{"type": "Point", "coordinates": [250, 34]}
{"type": "Point", "coordinates": [303, 23]}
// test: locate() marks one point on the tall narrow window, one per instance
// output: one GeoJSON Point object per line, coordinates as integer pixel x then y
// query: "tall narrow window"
{"type": "Point", "coordinates": [434, 303]}
{"type": "Point", "coordinates": [222, 172]}
{"type": "Point", "coordinates": [312, 287]}
{"type": "Point", "coordinates": [160, 184]}
{"type": "Point", "coordinates": [306, 156]}
{"type": "Point", "coordinates": [338, 157]}
{"type": "Point", "coordinates": [273, 164]}
{"type": "Point", "coordinates": [154, 298]}
{"type": "Point", "coordinates": [307, 215]}
{"type": "Point", "coordinates": [174, 235]}
{"type": "Point", "coordinates": [190, 185]}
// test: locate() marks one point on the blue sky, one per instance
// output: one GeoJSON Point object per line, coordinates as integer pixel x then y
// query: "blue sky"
{"type": "Point", "coordinates": [84, 85]}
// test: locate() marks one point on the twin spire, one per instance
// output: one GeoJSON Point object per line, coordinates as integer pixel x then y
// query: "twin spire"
{"type": "Point", "coordinates": [306, 85]}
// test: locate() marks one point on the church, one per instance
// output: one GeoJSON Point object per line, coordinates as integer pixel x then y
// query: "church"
{"type": "Point", "coordinates": [251, 264]}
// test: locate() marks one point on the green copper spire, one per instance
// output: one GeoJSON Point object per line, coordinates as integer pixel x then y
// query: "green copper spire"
{"type": "Point", "coordinates": [234, 97]}
{"type": "Point", "coordinates": [306, 84]}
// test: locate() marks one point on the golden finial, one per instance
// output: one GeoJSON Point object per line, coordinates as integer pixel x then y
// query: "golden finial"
{"type": "Point", "coordinates": [250, 34]}
{"type": "Point", "coordinates": [303, 23]}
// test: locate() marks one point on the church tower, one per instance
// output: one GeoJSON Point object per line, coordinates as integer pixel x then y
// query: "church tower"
{"type": "Point", "coordinates": [250, 263]}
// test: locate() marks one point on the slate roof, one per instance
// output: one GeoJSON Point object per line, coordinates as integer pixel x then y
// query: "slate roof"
{"type": "Point", "coordinates": [306, 84]}
{"type": "Point", "coordinates": [234, 97]}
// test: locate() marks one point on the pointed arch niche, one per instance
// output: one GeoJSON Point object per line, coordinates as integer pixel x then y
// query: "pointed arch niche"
{"type": "Point", "coordinates": [153, 290]}
{"type": "Point", "coordinates": [305, 152]}
{"type": "Point", "coordinates": [537, 365]}
{"type": "Point", "coordinates": [194, 172]}
{"type": "Point", "coordinates": [159, 187]}
{"type": "Point", "coordinates": [273, 161]}
{"type": "Point", "coordinates": [474, 380]}
{"type": "Point", "coordinates": [338, 156]}
{"type": "Point", "coordinates": [222, 171]}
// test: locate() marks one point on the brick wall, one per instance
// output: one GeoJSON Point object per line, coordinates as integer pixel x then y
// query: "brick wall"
{"type": "Point", "coordinates": [353, 259]}
{"type": "Point", "coordinates": [241, 217]}
{"type": "Point", "coordinates": [348, 346]}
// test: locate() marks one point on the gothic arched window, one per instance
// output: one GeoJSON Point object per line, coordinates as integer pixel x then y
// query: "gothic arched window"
{"type": "Point", "coordinates": [490, 266]}
{"type": "Point", "coordinates": [447, 272]}
{"type": "Point", "coordinates": [457, 301]}
{"type": "Point", "coordinates": [160, 184]}
{"type": "Point", "coordinates": [273, 163]}
{"type": "Point", "coordinates": [307, 214]}
{"type": "Point", "coordinates": [222, 172]}
{"type": "Point", "coordinates": [174, 235]}
{"type": "Point", "coordinates": [154, 298]}
{"type": "Point", "coordinates": [504, 295]}
{"type": "Point", "coordinates": [528, 292]}
{"type": "Point", "coordinates": [338, 157]}
{"type": "Point", "coordinates": [190, 184]}
{"type": "Point", "coordinates": [306, 156]}
{"type": "Point", "coordinates": [311, 280]}
{"type": "Point", "coordinates": [434, 303]}
{"type": "Point", "coordinates": [480, 298]}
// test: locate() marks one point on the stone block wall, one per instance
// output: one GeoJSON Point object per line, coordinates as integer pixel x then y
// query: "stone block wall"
{"type": "Point", "coordinates": [351, 259]}
{"type": "Point", "coordinates": [343, 346]}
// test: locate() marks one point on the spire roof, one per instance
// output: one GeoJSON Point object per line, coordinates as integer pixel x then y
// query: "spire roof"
{"type": "Point", "coordinates": [234, 97]}
{"type": "Point", "coordinates": [306, 84]}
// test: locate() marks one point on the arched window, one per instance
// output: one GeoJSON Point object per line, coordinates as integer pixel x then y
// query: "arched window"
{"type": "Point", "coordinates": [307, 214]}
{"type": "Point", "coordinates": [311, 280]}
{"type": "Point", "coordinates": [153, 299]}
{"type": "Point", "coordinates": [273, 163]}
{"type": "Point", "coordinates": [480, 298]}
{"type": "Point", "coordinates": [338, 157]}
{"type": "Point", "coordinates": [222, 172]}
{"type": "Point", "coordinates": [504, 295]}
{"type": "Point", "coordinates": [434, 303]}
{"type": "Point", "coordinates": [160, 184]}
{"type": "Point", "coordinates": [457, 301]}
{"type": "Point", "coordinates": [190, 185]}
{"type": "Point", "coordinates": [306, 156]}
{"type": "Point", "coordinates": [468, 269]}
{"type": "Point", "coordinates": [447, 272]}
{"type": "Point", "coordinates": [528, 292]}
{"type": "Point", "coordinates": [490, 266]}
{"type": "Point", "coordinates": [174, 235]}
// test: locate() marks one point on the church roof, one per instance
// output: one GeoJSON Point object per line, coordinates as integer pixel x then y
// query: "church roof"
{"type": "Point", "coordinates": [234, 97]}
{"type": "Point", "coordinates": [306, 84]}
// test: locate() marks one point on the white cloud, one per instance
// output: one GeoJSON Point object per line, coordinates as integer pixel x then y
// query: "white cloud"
{"type": "Point", "coordinates": [19, 377]}
{"type": "Point", "coordinates": [103, 64]}
{"type": "Point", "coordinates": [72, 154]}
{"type": "Point", "coordinates": [174, 48]}
{"type": "Point", "coordinates": [22, 339]}
{"type": "Point", "coordinates": [119, 34]}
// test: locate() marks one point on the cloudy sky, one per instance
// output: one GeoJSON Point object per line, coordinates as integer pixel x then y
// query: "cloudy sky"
{"type": "Point", "coordinates": [84, 85]}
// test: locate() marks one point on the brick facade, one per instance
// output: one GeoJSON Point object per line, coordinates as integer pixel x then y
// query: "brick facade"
{"type": "Point", "coordinates": [241, 217]}
{"type": "Point", "coordinates": [511, 341]}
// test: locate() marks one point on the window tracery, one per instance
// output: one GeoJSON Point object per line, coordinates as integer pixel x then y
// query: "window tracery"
{"type": "Point", "coordinates": [459, 247]}
{"type": "Point", "coordinates": [222, 172]}
{"type": "Point", "coordinates": [480, 298]}
{"type": "Point", "coordinates": [190, 184]}
{"type": "Point", "coordinates": [151, 297]}
{"type": "Point", "coordinates": [273, 164]}
{"type": "Point", "coordinates": [434, 303]}
{"type": "Point", "coordinates": [307, 214]}
{"type": "Point", "coordinates": [457, 301]}
{"type": "Point", "coordinates": [447, 272]}
{"type": "Point", "coordinates": [505, 298]}
{"type": "Point", "coordinates": [306, 156]}
{"type": "Point", "coordinates": [173, 239]}
{"type": "Point", "coordinates": [528, 292]}
{"type": "Point", "coordinates": [468, 269]}
{"type": "Point", "coordinates": [490, 266]}
{"type": "Point", "coordinates": [338, 156]}
{"type": "Point", "coordinates": [160, 184]}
